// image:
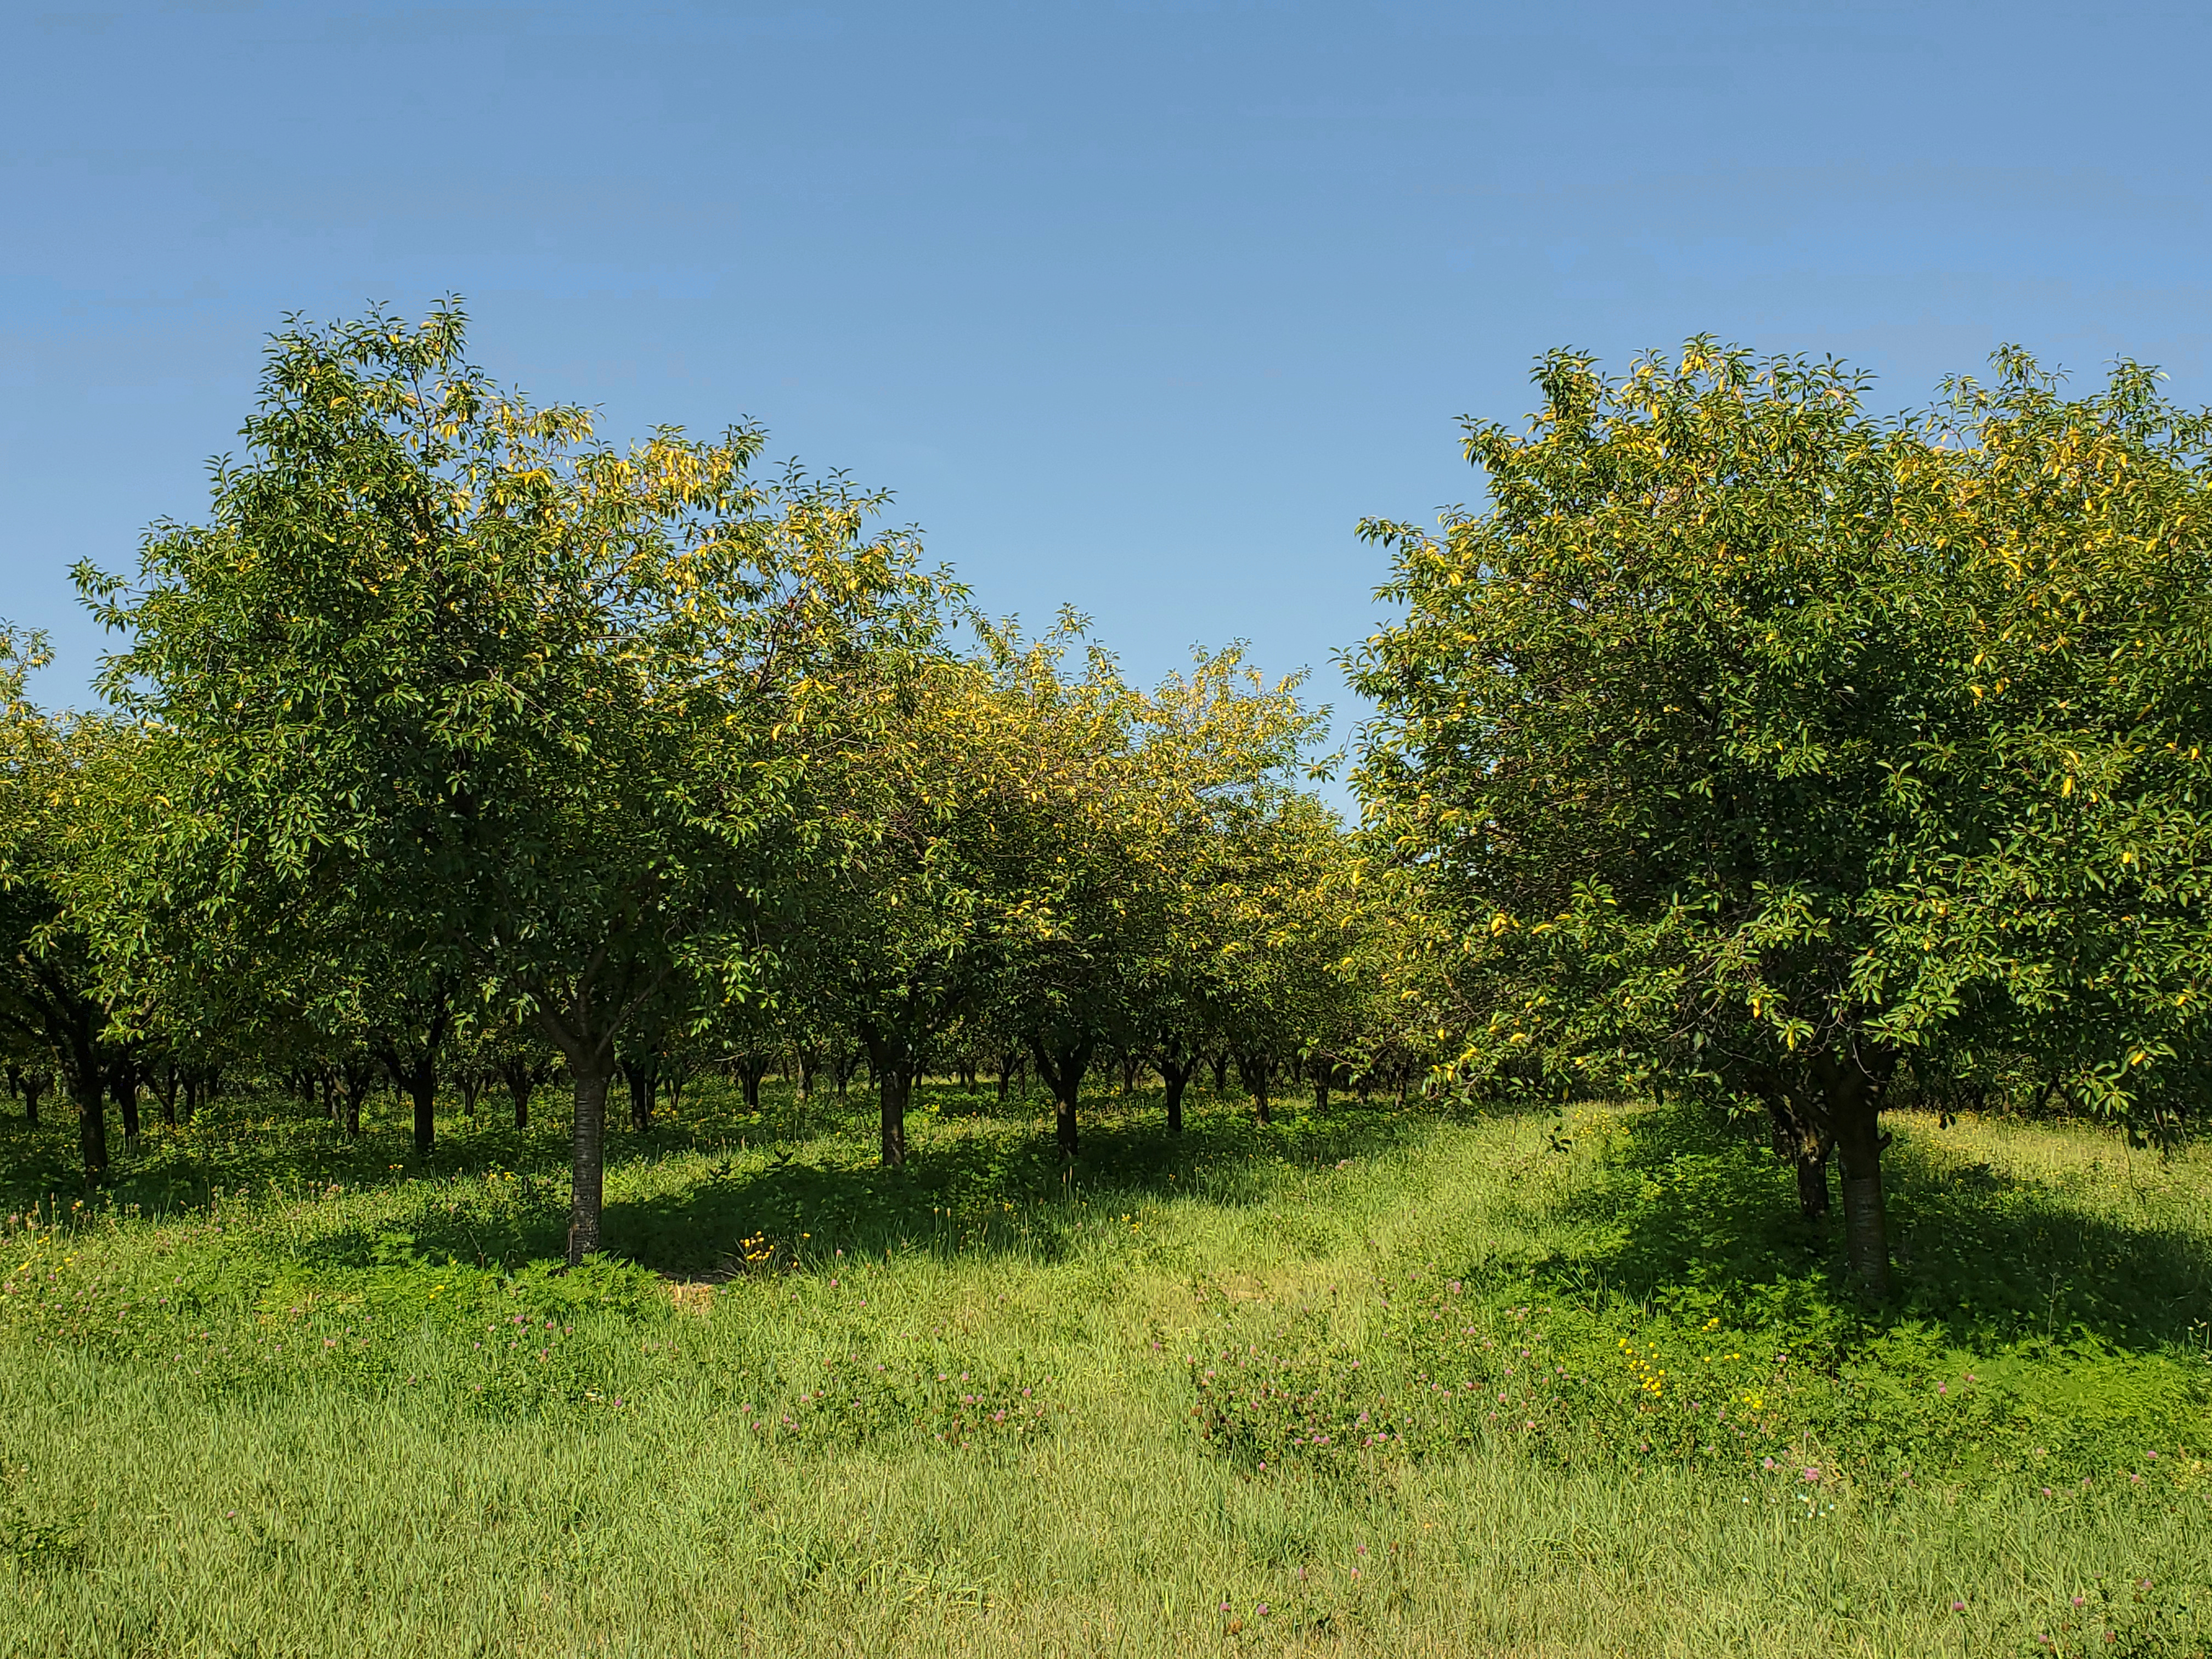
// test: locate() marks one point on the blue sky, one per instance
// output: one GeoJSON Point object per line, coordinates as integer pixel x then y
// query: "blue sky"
{"type": "Point", "coordinates": [1137, 306]}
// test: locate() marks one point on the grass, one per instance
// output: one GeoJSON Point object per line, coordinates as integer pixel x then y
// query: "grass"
{"type": "Point", "coordinates": [1360, 1382]}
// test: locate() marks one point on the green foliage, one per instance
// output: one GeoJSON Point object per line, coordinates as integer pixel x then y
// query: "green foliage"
{"type": "Point", "coordinates": [453, 706]}
{"type": "Point", "coordinates": [1753, 745]}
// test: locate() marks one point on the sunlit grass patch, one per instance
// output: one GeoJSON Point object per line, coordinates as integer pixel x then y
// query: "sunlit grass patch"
{"type": "Point", "coordinates": [1411, 1385]}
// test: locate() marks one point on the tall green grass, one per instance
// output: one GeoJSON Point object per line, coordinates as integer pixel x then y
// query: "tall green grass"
{"type": "Point", "coordinates": [1356, 1382]}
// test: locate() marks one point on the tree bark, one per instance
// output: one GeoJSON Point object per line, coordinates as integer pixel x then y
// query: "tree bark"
{"type": "Point", "coordinates": [418, 1080]}
{"type": "Point", "coordinates": [1252, 1071]}
{"type": "Point", "coordinates": [587, 1144]}
{"type": "Point", "coordinates": [87, 1088]}
{"type": "Point", "coordinates": [894, 1089]}
{"type": "Point", "coordinates": [1063, 1074]}
{"type": "Point", "coordinates": [1853, 1098]}
{"type": "Point", "coordinates": [34, 1084]}
{"type": "Point", "coordinates": [643, 1076]}
{"type": "Point", "coordinates": [123, 1083]}
{"type": "Point", "coordinates": [521, 1079]}
{"type": "Point", "coordinates": [1812, 1185]}
{"type": "Point", "coordinates": [359, 1077]}
{"type": "Point", "coordinates": [752, 1068]}
{"type": "Point", "coordinates": [1175, 1070]}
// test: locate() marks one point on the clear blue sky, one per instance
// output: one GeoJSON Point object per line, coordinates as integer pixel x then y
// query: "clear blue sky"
{"type": "Point", "coordinates": [1137, 306]}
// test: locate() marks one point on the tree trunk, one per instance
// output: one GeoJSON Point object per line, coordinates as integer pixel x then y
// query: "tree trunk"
{"type": "Point", "coordinates": [588, 1173]}
{"type": "Point", "coordinates": [643, 1076]}
{"type": "Point", "coordinates": [1801, 1135]}
{"type": "Point", "coordinates": [1220, 1062]}
{"type": "Point", "coordinates": [1175, 1077]}
{"type": "Point", "coordinates": [359, 1076]}
{"type": "Point", "coordinates": [123, 1083]}
{"type": "Point", "coordinates": [1252, 1071]}
{"type": "Point", "coordinates": [521, 1081]}
{"type": "Point", "coordinates": [34, 1084]}
{"type": "Point", "coordinates": [1853, 1099]}
{"type": "Point", "coordinates": [86, 1088]}
{"type": "Point", "coordinates": [1812, 1185]}
{"type": "Point", "coordinates": [895, 1088]}
{"type": "Point", "coordinates": [1063, 1074]}
{"type": "Point", "coordinates": [752, 1068]}
{"type": "Point", "coordinates": [1323, 1070]}
{"type": "Point", "coordinates": [423, 1090]}
{"type": "Point", "coordinates": [1175, 1069]}
{"type": "Point", "coordinates": [164, 1084]}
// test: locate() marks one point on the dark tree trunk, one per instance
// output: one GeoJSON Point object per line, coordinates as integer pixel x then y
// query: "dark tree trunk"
{"type": "Point", "coordinates": [35, 1084]}
{"type": "Point", "coordinates": [417, 1079]}
{"type": "Point", "coordinates": [123, 1083]}
{"type": "Point", "coordinates": [807, 1063]}
{"type": "Point", "coordinates": [423, 1090]}
{"type": "Point", "coordinates": [1323, 1070]}
{"type": "Point", "coordinates": [522, 1079]}
{"type": "Point", "coordinates": [1007, 1065]}
{"type": "Point", "coordinates": [164, 1084]}
{"type": "Point", "coordinates": [587, 1174]}
{"type": "Point", "coordinates": [1852, 1096]}
{"type": "Point", "coordinates": [1801, 1135]}
{"type": "Point", "coordinates": [1220, 1062]}
{"type": "Point", "coordinates": [894, 1064]}
{"type": "Point", "coordinates": [1176, 1069]}
{"type": "Point", "coordinates": [643, 1076]}
{"type": "Point", "coordinates": [471, 1086]}
{"type": "Point", "coordinates": [1812, 1185]}
{"type": "Point", "coordinates": [1130, 1065]}
{"type": "Point", "coordinates": [359, 1076]}
{"type": "Point", "coordinates": [894, 1089]}
{"type": "Point", "coordinates": [752, 1068]}
{"type": "Point", "coordinates": [86, 1087]}
{"type": "Point", "coordinates": [1062, 1073]}
{"type": "Point", "coordinates": [1251, 1072]}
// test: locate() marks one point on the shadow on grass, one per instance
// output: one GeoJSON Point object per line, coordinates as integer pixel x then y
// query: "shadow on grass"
{"type": "Point", "coordinates": [1691, 1206]}
{"type": "Point", "coordinates": [983, 1176]}
{"type": "Point", "coordinates": [983, 1180]}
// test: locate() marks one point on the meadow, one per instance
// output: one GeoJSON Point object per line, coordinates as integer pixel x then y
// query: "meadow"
{"type": "Point", "coordinates": [1363, 1381]}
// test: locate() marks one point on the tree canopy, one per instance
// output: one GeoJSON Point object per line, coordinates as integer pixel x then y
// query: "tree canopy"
{"type": "Point", "coordinates": [1758, 746]}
